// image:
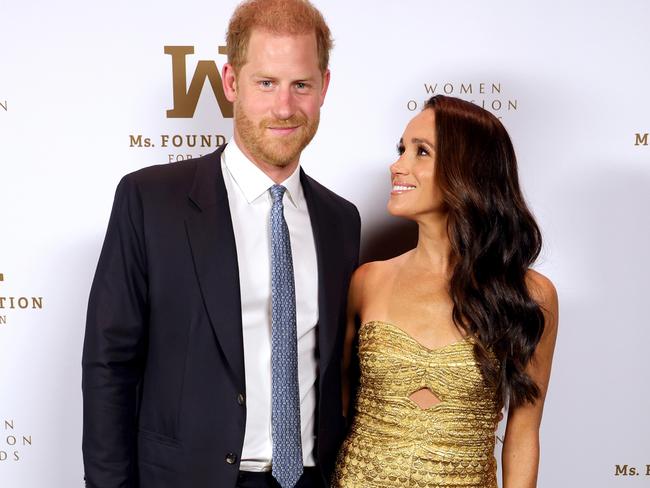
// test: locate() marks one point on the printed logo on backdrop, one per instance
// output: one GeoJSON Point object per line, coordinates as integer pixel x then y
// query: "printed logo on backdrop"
{"type": "Point", "coordinates": [4, 106]}
{"type": "Point", "coordinates": [628, 470]}
{"type": "Point", "coordinates": [641, 139]}
{"type": "Point", "coordinates": [492, 96]}
{"type": "Point", "coordinates": [12, 305]}
{"type": "Point", "coordinates": [186, 98]}
{"type": "Point", "coordinates": [13, 442]}
{"type": "Point", "coordinates": [204, 76]}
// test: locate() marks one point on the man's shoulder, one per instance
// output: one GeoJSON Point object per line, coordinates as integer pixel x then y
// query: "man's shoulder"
{"type": "Point", "coordinates": [326, 195]}
{"type": "Point", "coordinates": [173, 173]}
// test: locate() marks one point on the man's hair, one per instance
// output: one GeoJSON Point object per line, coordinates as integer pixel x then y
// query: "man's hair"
{"type": "Point", "coordinates": [293, 17]}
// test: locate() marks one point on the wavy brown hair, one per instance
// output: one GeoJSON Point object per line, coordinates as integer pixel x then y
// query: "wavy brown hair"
{"type": "Point", "coordinates": [494, 240]}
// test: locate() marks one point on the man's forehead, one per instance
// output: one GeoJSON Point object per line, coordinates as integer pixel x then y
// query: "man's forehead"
{"type": "Point", "coordinates": [262, 40]}
{"type": "Point", "coordinates": [267, 50]}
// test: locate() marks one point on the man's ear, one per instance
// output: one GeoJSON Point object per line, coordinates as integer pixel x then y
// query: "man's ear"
{"type": "Point", "coordinates": [229, 82]}
{"type": "Point", "coordinates": [326, 84]}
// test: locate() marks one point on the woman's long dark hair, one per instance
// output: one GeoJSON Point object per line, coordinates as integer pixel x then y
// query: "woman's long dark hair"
{"type": "Point", "coordinates": [494, 240]}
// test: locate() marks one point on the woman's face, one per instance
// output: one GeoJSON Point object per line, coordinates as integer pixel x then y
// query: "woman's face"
{"type": "Point", "coordinates": [414, 192]}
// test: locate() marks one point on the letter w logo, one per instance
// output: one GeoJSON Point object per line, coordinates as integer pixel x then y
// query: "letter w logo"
{"type": "Point", "coordinates": [186, 99]}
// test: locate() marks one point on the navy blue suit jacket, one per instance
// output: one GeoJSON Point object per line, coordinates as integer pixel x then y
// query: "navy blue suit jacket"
{"type": "Point", "coordinates": [163, 362]}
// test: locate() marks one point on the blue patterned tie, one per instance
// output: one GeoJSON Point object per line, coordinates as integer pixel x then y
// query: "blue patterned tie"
{"type": "Point", "coordinates": [285, 401]}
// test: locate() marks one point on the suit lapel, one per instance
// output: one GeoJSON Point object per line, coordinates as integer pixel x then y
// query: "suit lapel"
{"type": "Point", "coordinates": [212, 241]}
{"type": "Point", "coordinates": [328, 257]}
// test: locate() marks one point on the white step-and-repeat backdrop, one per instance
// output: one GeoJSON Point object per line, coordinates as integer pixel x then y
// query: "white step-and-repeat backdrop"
{"type": "Point", "coordinates": [92, 90]}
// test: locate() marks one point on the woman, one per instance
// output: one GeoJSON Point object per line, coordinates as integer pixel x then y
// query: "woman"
{"type": "Point", "coordinates": [456, 328]}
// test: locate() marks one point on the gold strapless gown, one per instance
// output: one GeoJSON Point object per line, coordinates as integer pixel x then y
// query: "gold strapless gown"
{"type": "Point", "coordinates": [393, 442]}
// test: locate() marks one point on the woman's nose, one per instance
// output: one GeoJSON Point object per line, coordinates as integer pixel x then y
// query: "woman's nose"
{"type": "Point", "coordinates": [398, 167]}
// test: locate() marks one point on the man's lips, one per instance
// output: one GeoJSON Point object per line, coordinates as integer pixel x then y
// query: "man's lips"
{"type": "Point", "coordinates": [282, 131]}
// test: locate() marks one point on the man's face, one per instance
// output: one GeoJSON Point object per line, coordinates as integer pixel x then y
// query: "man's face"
{"type": "Point", "coordinates": [277, 95]}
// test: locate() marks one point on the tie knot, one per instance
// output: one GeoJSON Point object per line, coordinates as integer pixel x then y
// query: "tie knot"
{"type": "Point", "coordinates": [277, 191]}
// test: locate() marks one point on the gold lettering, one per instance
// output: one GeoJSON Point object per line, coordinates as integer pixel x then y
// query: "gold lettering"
{"type": "Point", "coordinates": [11, 440]}
{"type": "Point", "coordinates": [512, 104]}
{"type": "Point", "coordinates": [27, 440]}
{"type": "Point", "coordinates": [448, 88]}
{"type": "Point", "coordinates": [431, 89]}
{"type": "Point", "coordinates": [496, 87]}
{"type": "Point", "coordinates": [3, 319]}
{"type": "Point", "coordinates": [466, 88]}
{"type": "Point", "coordinates": [621, 470]}
{"type": "Point", "coordinates": [641, 139]}
{"type": "Point", "coordinates": [9, 424]}
{"type": "Point", "coordinates": [4, 105]}
{"type": "Point", "coordinates": [21, 302]}
{"type": "Point", "coordinates": [175, 158]}
{"type": "Point", "coordinates": [186, 99]}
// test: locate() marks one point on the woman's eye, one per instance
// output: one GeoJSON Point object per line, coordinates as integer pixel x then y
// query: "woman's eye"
{"type": "Point", "coordinates": [422, 151]}
{"type": "Point", "coordinates": [400, 149]}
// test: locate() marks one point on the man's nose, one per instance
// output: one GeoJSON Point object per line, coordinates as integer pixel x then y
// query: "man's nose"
{"type": "Point", "coordinates": [284, 106]}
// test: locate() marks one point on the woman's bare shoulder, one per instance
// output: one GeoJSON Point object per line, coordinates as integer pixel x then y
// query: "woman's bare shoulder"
{"type": "Point", "coordinates": [541, 288]}
{"type": "Point", "coordinates": [375, 272]}
{"type": "Point", "coordinates": [543, 291]}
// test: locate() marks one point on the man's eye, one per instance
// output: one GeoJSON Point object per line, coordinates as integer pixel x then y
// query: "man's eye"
{"type": "Point", "coordinates": [266, 84]}
{"type": "Point", "coordinates": [300, 85]}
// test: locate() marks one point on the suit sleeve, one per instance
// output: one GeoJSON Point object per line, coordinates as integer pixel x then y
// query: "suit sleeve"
{"type": "Point", "coordinates": [112, 361]}
{"type": "Point", "coordinates": [354, 372]}
{"type": "Point", "coordinates": [357, 236]}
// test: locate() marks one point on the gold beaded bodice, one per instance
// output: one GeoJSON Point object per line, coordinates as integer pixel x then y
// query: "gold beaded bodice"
{"type": "Point", "coordinates": [393, 442]}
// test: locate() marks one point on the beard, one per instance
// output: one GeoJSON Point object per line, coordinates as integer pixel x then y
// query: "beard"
{"type": "Point", "coordinates": [275, 150]}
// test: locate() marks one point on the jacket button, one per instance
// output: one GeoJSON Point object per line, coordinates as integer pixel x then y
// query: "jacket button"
{"type": "Point", "coordinates": [231, 458]}
{"type": "Point", "coordinates": [240, 399]}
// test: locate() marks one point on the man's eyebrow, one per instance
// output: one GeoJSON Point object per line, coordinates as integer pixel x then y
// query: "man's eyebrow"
{"type": "Point", "coordinates": [262, 74]}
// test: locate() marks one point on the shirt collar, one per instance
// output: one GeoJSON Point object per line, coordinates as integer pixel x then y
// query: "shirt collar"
{"type": "Point", "coordinates": [253, 182]}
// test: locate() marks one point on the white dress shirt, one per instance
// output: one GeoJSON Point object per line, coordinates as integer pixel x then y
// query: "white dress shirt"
{"type": "Point", "coordinates": [250, 207]}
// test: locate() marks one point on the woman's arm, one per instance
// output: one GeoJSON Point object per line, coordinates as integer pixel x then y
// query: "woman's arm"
{"type": "Point", "coordinates": [520, 455]}
{"type": "Point", "coordinates": [348, 371]}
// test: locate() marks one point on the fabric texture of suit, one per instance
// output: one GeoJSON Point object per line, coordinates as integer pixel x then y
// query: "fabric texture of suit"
{"type": "Point", "coordinates": [163, 361]}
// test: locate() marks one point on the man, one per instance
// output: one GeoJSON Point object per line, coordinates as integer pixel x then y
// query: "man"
{"type": "Point", "coordinates": [216, 317]}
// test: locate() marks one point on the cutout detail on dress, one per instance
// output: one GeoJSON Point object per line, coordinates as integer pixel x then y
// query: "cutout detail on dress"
{"type": "Point", "coordinates": [424, 398]}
